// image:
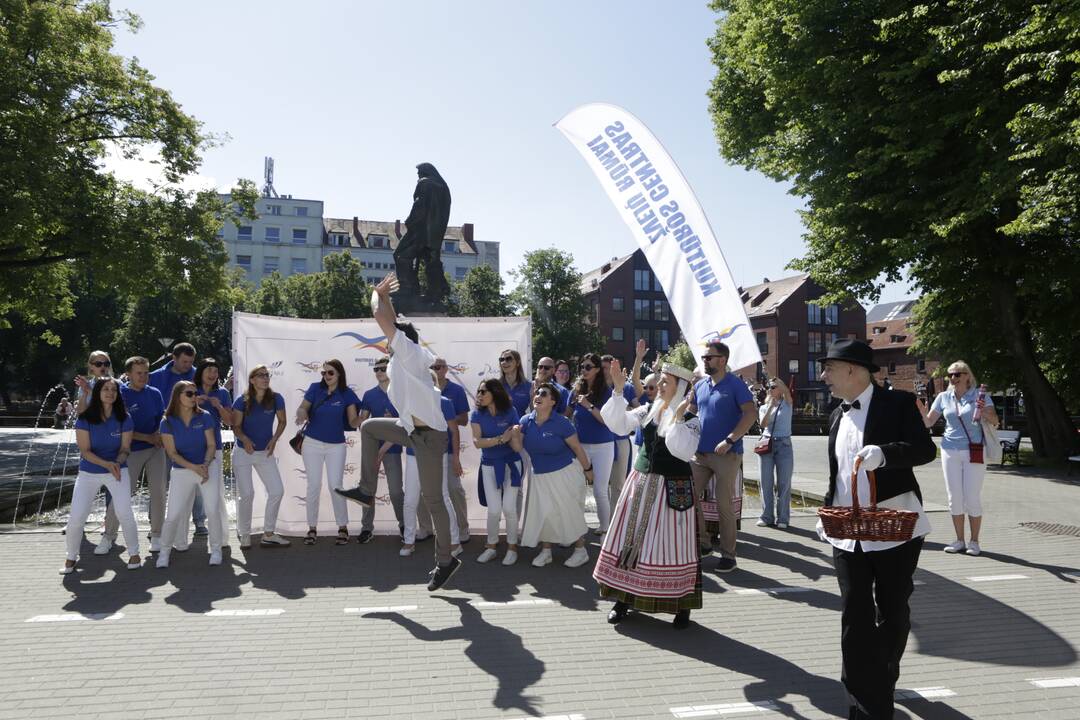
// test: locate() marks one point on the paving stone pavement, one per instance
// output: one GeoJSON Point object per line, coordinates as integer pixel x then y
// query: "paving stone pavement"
{"type": "Point", "coordinates": [351, 632]}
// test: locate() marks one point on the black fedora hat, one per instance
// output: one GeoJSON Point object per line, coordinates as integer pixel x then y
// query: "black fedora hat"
{"type": "Point", "coordinates": [856, 352]}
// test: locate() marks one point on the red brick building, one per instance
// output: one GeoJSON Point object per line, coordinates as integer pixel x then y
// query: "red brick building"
{"type": "Point", "coordinates": [890, 332]}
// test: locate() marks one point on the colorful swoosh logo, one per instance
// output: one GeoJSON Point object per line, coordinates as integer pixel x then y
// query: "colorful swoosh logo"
{"type": "Point", "coordinates": [377, 343]}
{"type": "Point", "coordinates": [721, 334]}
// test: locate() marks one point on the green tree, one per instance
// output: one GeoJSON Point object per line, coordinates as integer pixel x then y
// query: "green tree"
{"type": "Point", "coordinates": [339, 291]}
{"type": "Point", "coordinates": [270, 297]}
{"type": "Point", "coordinates": [935, 139]}
{"type": "Point", "coordinates": [479, 294]}
{"type": "Point", "coordinates": [65, 100]}
{"type": "Point", "coordinates": [549, 289]}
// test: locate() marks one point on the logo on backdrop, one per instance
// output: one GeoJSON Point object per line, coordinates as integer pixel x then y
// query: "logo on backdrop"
{"type": "Point", "coordinates": [375, 343]}
{"type": "Point", "coordinates": [720, 334]}
{"type": "Point", "coordinates": [313, 366]}
{"type": "Point", "coordinates": [275, 368]}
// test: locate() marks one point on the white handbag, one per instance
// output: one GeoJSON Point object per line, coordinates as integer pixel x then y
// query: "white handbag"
{"type": "Point", "coordinates": [991, 443]}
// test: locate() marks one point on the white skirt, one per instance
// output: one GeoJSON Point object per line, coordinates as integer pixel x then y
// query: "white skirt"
{"type": "Point", "coordinates": [555, 507]}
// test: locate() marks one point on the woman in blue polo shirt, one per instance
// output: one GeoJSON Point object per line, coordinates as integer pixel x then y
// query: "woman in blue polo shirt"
{"type": "Point", "coordinates": [254, 415]}
{"type": "Point", "coordinates": [501, 468]}
{"type": "Point", "coordinates": [451, 464]}
{"type": "Point", "coordinates": [329, 405]}
{"type": "Point", "coordinates": [555, 510]}
{"type": "Point", "coordinates": [517, 385]}
{"type": "Point", "coordinates": [187, 431]}
{"type": "Point", "coordinates": [590, 393]}
{"type": "Point", "coordinates": [216, 401]}
{"type": "Point", "coordinates": [103, 432]}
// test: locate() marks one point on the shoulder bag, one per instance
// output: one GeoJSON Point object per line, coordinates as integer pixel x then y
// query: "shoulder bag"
{"type": "Point", "coordinates": [297, 440]}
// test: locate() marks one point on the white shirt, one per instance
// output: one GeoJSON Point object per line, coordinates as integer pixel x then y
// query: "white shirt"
{"type": "Point", "coordinates": [849, 441]}
{"type": "Point", "coordinates": [412, 390]}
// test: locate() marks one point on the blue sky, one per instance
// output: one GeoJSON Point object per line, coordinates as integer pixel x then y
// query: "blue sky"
{"type": "Point", "coordinates": [349, 96]}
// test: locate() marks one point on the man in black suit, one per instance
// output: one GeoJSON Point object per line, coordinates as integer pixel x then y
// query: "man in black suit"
{"type": "Point", "coordinates": [883, 428]}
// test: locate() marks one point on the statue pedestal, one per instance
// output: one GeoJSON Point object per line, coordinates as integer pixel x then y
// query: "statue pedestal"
{"type": "Point", "coordinates": [417, 305]}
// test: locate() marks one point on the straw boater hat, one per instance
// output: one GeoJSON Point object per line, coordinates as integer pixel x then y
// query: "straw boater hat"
{"type": "Point", "coordinates": [678, 371]}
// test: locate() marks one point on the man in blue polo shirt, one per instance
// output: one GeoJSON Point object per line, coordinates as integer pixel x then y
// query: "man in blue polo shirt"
{"type": "Point", "coordinates": [545, 373]}
{"type": "Point", "coordinates": [460, 399]}
{"type": "Point", "coordinates": [726, 410]}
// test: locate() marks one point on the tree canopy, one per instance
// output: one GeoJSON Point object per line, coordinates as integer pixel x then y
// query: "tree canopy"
{"type": "Point", "coordinates": [937, 140]}
{"type": "Point", "coordinates": [480, 294]}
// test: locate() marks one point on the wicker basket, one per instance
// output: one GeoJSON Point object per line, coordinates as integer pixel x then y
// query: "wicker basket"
{"type": "Point", "coordinates": [856, 523]}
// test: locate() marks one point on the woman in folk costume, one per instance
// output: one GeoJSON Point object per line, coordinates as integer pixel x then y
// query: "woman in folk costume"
{"type": "Point", "coordinates": [650, 560]}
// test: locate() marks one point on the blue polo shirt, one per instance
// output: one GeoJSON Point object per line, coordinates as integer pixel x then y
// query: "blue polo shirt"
{"type": "Point", "coordinates": [590, 430]}
{"type": "Point", "coordinates": [956, 413]}
{"type": "Point", "coordinates": [520, 396]}
{"type": "Point", "coordinates": [457, 395]}
{"type": "Point", "coordinates": [190, 440]}
{"type": "Point", "coordinates": [449, 413]}
{"type": "Point", "coordinates": [145, 408]}
{"type": "Point", "coordinates": [546, 443]}
{"type": "Point", "coordinates": [327, 421]}
{"type": "Point", "coordinates": [258, 424]}
{"type": "Point", "coordinates": [564, 398]}
{"type": "Point", "coordinates": [105, 440]}
{"type": "Point", "coordinates": [377, 404]}
{"type": "Point", "coordinates": [719, 411]}
{"type": "Point", "coordinates": [164, 378]}
{"type": "Point", "coordinates": [494, 426]}
{"type": "Point", "coordinates": [225, 399]}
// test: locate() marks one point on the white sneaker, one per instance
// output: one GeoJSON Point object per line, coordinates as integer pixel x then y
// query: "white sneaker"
{"type": "Point", "coordinates": [456, 552]}
{"type": "Point", "coordinates": [510, 558]}
{"type": "Point", "coordinates": [579, 558]}
{"type": "Point", "coordinates": [781, 526]}
{"type": "Point", "coordinates": [544, 558]}
{"type": "Point", "coordinates": [486, 556]}
{"type": "Point", "coordinates": [66, 569]}
{"type": "Point", "coordinates": [274, 539]}
{"type": "Point", "coordinates": [955, 547]}
{"type": "Point", "coordinates": [406, 550]}
{"type": "Point", "coordinates": [104, 545]}
{"type": "Point", "coordinates": [155, 544]}
{"type": "Point", "coordinates": [245, 541]}
{"type": "Point", "coordinates": [762, 523]}
{"type": "Point", "coordinates": [973, 548]}
{"type": "Point", "coordinates": [215, 557]}
{"type": "Point", "coordinates": [134, 565]}
{"type": "Point", "coordinates": [163, 558]}
{"type": "Point", "coordinates": [182, 548]}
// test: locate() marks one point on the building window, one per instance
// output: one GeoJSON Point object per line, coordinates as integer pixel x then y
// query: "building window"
{"type": "Point", "coordinates": [641, 309]}
{"type": "Point", "coordinates": [641, 334]}
{"type": "Point", "coordinates": [244, 261]}
{"type": "Point", "coordinates": [273, 209]}
{"type": "Point", "coordinates": [920, 365]}
{"type": "Point", "coordinates": [299, 265]}
{"type": "Point", "coordinates": [243, 233]}
{"type": "Point", "coordinates": [832, 315]}
{"type": "Point", "coordinates": [813, 314]}
{"type": "Point", "coordinates": [378, 241]}
{"type": "Point", "coordinates": [270, 264]}
{"type": "Point", "coordinates": [814, 341]}
{"type": "Point", "coordinates": [617, 304]}
{"type": "Point", "coordinates": [617, 334]}
{"type": "Point", "coordinates": [878, 329]}
{"type": "Point", "coordinates": [449, 246]}
{"type": "Point", "coordinates": [812, 370]}
{"type": "Point", "coordinates": [660, 310]}
{"type": "Point", "coordinates": [656, 284]}
{"type": "Point", "coordinates": [793, 367]}
{"type": "Point", "coordinates": [459, 273]}
{"type": "Point", "coordinates": [833, 337]}
{"type": "Point", "coordinates": [662, 340]}
{"type": "Point", "coordinates": [763, 343]}
{"type": "Point", "coordinates": [299, 236]}
{"type": "Point", "coordinates": [272, 234]}
{"type": "Point", "coordinates": [852, 336]}
{"type": "Point", "coordinates": [793, 338]}
{"type": "Point", "coordinates": [301, 211]}
{"type": "Point", "coordinates": [892, 368]}
{"type": "Point", "coordinates": [641, 280]}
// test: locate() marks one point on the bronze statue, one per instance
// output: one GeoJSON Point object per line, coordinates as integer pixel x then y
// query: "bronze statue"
{"type": "Point", "coordinates": [421, 246]}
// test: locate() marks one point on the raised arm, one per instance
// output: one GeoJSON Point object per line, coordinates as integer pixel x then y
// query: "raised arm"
{"type": "Point", "coordinates": [382, 308]}
{"type": "Point", "coordinates": [640, 351]}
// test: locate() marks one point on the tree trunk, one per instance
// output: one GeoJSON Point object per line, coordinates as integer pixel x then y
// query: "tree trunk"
{"type": "Point", "coordinates": [1052, 432]}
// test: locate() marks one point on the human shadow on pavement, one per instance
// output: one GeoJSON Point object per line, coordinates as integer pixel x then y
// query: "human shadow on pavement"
{"type": "Point", "coordinates": [932, 709]}
{"type": "Point", "coordinates": [93, 595]}
{"type": "Point", "coordinates": [790, 555]}
{"type": "Point", "coordinates": [746, 580]}
{"type": "Point", "coordinates": [493, 649]}
{"type": "Point", "coordinates": [199, 585]}
{"type": "Point", "coordinates": [1061, 572]}
{"type": "Point", "coordinates": [776, 677]}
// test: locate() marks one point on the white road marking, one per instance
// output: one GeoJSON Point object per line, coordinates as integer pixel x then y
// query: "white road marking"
{"type": "Point", "coordinates": [1056, 682]}
{"type": "Point", "coordinates": [926, 693]}
{"type": "Point", "coordinates": [772, 590]}
{"type": "Point", "coordinates": [385, 608]}
{"type": "Point", "coordinates": [260, 612]}
{"type": "Point", "coordinates": [513, 603]}
{"type": "Point", "coordinates": [694, 711]}
{"type": "Point", "coordinates": [992, 578]}
{"type": "Point", "coordinates": [69, 617]}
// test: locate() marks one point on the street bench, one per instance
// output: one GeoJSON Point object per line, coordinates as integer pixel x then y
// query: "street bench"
{"type": "Point", "coordinates": [1010, 445]}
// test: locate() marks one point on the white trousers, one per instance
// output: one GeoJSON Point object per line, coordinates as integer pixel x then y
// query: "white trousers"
{"type": "Point", "coordinates": [601, 456]}
{"type": "Point", "coordinates": [87, 485]}
{"type": "Point", "coordinates": [183, 485]}
{"type": "Point", "coordinates": [963, 481]}
{"type": "Point", "coordinates": [501, 503]}
{"type": "Point", "coordinates": [217, 475]}
{"type": "Point", "coordinates": [243, 464]}
{"type": "Point", "coordinates": [318, 454]}
{"type": "Point", "coordinates": [412, 499]}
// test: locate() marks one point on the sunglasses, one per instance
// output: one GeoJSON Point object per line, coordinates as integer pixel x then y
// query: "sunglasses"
{"type": "Point", "coordinates": [261, 375]}
{"type": "Point", "coordinates": [482, 391]}
{"type": "Point", "coordinates": [438, 367]}
{"type": "Point", "coordinates": [587, 368]}
{"type": "Point", "coordinates": [772, 387]}
{"type": "Point", "coordinates": [506, 359]}
{"type": "Point", "coordinates": [328, 373]}
{"type": "Point", "coordinates": [101, 363]}
{"type": "Point", "coordinates": [545, 367]}
{"type": "Point", "coordinates": [650, 387]}
{"type": "Point", "coordinates": [710, 357]}
{"type": "Point", "coordinates": [957, 374]}
{"type": "Point", "coordinates": [381, 368]}
{"type": "Point", "coordinates": [187, 393]}
{"type": "Point", "coordinates": [542, 392]}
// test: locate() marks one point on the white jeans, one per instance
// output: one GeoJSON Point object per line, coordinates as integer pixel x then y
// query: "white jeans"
{"type": "Point", "coordinates": [182, 488]}
{"type": "Point", "coordinates": [217, 476]}
{"type": "Point", "coordinates": [501, 503]}
{"type": "Point", "coordinates": [86, 489]}
{"type": "Point", "coordinates": [412, 499]}
{"type": "Point", "coordinates": [316, 454]}
{"type": "Point", "coordinates": [963, 481]}
{"type": "Point", "coordinates": [243, 464]}
{"type": "Point", "coordinates": [601, 456]}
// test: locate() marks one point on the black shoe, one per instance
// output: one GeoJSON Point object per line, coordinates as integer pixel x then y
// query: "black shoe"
{"type": "Point", "coordinates": [201, 531]}
{"type": "Point", "coordinates": [365, 536]}
{"type": "Point", "coordinates": [356, 495]}
{"type": "Point", "coordinates": [705, 550]}
{"type": "Point", "coordinates": [618, 613]}
{"type": "Point", "coordinates": [726, 565]}
{"type": "Point", "coordinates": [682, 620]}
{"type": "Point", "coordinates": [442, 573]}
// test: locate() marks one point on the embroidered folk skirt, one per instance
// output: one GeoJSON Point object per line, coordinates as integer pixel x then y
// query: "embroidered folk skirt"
{"type": "Point", "coordinates": [650, 559]}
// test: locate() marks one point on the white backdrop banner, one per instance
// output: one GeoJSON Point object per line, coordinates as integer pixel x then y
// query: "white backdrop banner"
{"type": "Point", "coordinates": [658, 205]}
{"type": "Point", "coordinates": [295, 349]}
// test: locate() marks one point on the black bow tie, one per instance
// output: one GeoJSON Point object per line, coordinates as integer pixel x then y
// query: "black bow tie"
{"type": "Point", "coordinates": [854, 404]}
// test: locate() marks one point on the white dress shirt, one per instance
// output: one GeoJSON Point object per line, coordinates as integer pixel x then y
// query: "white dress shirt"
{"type": "Point", "coordinates": [412, 390]}
{"type": "Point", "coordinates": [849, 441]}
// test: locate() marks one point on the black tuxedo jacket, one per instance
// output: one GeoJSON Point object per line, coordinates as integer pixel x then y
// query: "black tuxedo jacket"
{"type": "Point", "coordinates": [894, 424]}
